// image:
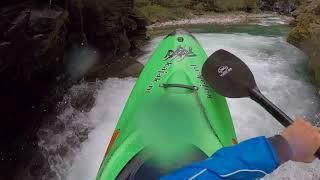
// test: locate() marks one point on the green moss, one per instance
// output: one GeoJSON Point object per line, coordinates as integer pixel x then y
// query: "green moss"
{"type": "Point", "coordinates": [164, 10]}
{"type": "Point", "coordinates": [231, 5]}
{"type": "Point", "coordinates": [315, 71]}
{"type": "Point", "coordinates": [225, 5]}
{"type": "Point", "coordinates": [173, 3]}
{"type": "Point", "coordinates": [199, 7]}
{"type": "Point", "coordinates": [297, 35]}
{"type": "Point", "coordinates": [301, 30]}
{"type": "Point", "coordinates": [305, 34]}
{"type": "Point", "coordinates": [142, 3]}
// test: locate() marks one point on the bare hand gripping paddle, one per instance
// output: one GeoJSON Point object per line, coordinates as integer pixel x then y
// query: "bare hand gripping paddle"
{"type": "Point", "coordinates": [231, 77]}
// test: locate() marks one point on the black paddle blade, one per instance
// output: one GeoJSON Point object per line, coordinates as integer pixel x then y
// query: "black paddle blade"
{"type": "Point", "coordinates": [228, 75]}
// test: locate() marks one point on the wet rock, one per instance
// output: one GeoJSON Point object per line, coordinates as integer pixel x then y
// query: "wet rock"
{"type": "Point", "coordinates": [132, 70]}
{"type": "Point", "coordinates": [35, 40]}
{"type": "Point", "coordinates": [125, 68]}
{"type": "Point", "coordinates": [44, 21]}
{"type": "Point", "coordinates": [37, 165]}
{"type": "Point", "coordinates": [18, 26]}
{"type": "Point", "coordinates": [83, 101]}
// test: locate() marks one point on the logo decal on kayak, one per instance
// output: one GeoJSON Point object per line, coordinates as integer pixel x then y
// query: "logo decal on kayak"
{"type": "Point", "coordinates": [224, 70]}
{"type": "Point", "coordinates": [180, 53]}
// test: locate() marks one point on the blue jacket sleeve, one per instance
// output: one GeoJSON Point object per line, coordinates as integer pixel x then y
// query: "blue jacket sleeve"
{"type": "Point", "coordinates": [250, 159]}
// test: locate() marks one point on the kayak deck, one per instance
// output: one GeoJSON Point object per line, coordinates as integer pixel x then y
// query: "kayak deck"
{"type": "Point", "coordinates": [172, 118]}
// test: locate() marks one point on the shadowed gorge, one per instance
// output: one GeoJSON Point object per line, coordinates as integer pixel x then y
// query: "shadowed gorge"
{"type": "Point", "coordinates": [39, 44]}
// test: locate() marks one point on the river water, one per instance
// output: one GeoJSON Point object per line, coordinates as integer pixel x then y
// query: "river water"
{"type": "Point", "coordinates": [75, 144]}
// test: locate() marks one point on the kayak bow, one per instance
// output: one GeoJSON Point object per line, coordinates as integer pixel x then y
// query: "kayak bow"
{"type": "Point", "coordinates": [172, 117]}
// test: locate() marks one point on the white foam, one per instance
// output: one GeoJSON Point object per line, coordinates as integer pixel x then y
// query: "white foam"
{"type": "Point", "coordinates": [109, 104]}
{"type": "Point", "coordinates": [272, 19]}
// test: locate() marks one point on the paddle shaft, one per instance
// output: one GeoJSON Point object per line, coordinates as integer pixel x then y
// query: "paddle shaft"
{"type": "Point", "coordinates": [257, 96]}
{"type": "Point", "coordinates": [283, 119]}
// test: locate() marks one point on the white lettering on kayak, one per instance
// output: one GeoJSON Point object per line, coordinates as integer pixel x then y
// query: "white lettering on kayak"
{"type": "Point", "coordinates": [202, 82]}
{"type": "Point", "coordinates": [159, 75]}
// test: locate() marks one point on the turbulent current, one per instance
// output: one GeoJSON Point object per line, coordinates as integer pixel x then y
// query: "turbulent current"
{"type": "Point", "coordinates": [75, 151]}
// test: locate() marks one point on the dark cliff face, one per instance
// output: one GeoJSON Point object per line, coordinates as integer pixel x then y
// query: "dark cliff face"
{"type": "Point", "coordinates": [38, 42]}
{"type": "Point", "coordinates": [35, 36]}
{"type": "Point", "coordinates": [280, 6]}
{"type": "Point", "coordinates": [305, 34]}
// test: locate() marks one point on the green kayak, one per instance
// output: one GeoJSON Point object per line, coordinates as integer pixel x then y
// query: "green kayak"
{"type": "Point", "coordinates": [171, 119]}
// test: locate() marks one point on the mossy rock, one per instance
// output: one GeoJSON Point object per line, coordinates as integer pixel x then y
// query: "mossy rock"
{"type": "Point", "coordinates": [297, 35]}
{"type": "Point", "coordinates": [315, 71]}
{"type": "Point", "coordinates": [305, 34]}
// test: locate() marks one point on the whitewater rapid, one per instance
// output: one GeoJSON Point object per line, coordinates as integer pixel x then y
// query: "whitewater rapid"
{"type": "Point", "coordinates": [280, 72]}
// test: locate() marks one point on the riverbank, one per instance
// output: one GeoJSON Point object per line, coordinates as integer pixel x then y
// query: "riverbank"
{"type": "Point", "coordinates": [168, 10]}
{"type": "Point", "coordinates": [220, 22]}
{"type": "Point", "coordinates": [225, 19]}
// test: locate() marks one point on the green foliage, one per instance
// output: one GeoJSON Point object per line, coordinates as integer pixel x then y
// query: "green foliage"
{"type": "Point", "coordinates": [199, 7]}
{"type": "Point", "coordinates": [238, 5]}
{"type": "Point", "coordinates": [205, 5]}
{"type": "Point", "coordinates": [301, 31]}
{"type": "Point", "coordinates": [155, 12]}
{"type": "Point", "coordinates": [172, 3]}
{"type": "Point", "coordinates": [141, 3]}
{"type": "Point", "coordinates": [225, 5]}
{"type": "Point", "coordinates": [162, 10]}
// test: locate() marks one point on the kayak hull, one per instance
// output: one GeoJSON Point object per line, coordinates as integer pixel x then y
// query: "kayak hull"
{"type": "Point", "coordinates": [170, 113]}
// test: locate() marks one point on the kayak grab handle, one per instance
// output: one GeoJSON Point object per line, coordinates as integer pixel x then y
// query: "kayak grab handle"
{"type": "Point", "coordinates": [190, 87]}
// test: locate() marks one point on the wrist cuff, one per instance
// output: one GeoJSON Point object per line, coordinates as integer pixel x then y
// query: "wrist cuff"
{"type": "Point", "coordinates": [282, 147]}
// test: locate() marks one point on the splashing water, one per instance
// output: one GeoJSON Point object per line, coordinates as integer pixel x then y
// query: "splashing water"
{"type": "Point", "coordinates": [280, 73]}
